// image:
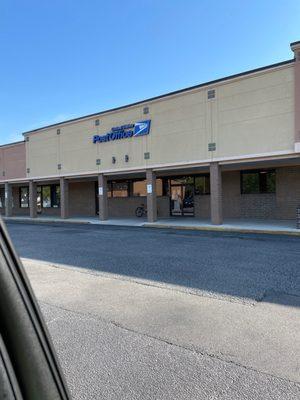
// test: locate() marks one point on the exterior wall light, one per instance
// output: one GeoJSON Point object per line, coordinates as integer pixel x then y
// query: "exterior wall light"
{"type": "Point", "coordinates": [126, 158]}
{"type": "Point", "coordinates": [58, 166]}
{"type": "Point", "coordinates": [147, 155]}
{"type": "Point", "coordinates": [212, 146]}
{"type": "Point", "coordinates": [58, 132]}
{"type": "Point", "coordinates": [98, 161]}
{"type": "Point", "coordinates": [28, 170]}
{"type": "Point", "coordinates": [113, 160]}
{"type": "Point", "coordinates": [211, 94]}
{"type": "Point", "coordinates": [97, 122]}
{"type": "Point", "coordinates": [146, 110]}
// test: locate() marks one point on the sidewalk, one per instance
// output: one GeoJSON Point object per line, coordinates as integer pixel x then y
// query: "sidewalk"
{"type": "Point", "coordinates": [287, 227]}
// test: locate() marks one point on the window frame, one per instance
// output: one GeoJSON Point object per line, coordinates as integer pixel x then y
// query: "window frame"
{"type": "Point", "coordinates": [260, 172]}
{"type": "Point", "coordinates": [53, 195]}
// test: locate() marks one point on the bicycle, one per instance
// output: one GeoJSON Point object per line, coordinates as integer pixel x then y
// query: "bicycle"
{"type": "Point", "coordinates": [141, 211]}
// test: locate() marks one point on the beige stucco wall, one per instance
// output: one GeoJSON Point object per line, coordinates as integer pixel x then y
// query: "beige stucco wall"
{"type": "Point", "coordinates": [12, 161]}
{"type": "Point", "coordinates": [250, 115]}
{"type": "Point", "coordinates": [255, 115]}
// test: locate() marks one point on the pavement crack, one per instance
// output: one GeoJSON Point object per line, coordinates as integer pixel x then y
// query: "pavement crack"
{"type": "Point", "coordinates": [220, 357]}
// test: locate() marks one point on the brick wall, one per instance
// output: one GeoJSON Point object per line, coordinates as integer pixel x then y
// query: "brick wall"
{"type": "Point", "coordinates": [82, 200]}
{"type": "Point", "coordinates": [163, 206]}
{"type": "Point", "coordinates": [261, 206]}
{"type": "Point", "coordinates": [126, 206]}
{"type": "Point", "coordinates": [202, 206]}
{"type": "Point", "coordinates": [288, 192]}
{"type": "Point", "coordinates": [279, 205]}
{"type": "Point", "coordinates": [231, 194]}
{"type": "Point", "coordinates": [51, 212]}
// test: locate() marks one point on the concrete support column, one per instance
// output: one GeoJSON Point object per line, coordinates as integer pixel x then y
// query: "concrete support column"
{"type": "Point", "coordinates": [216, 194]}
{"type": "Point", "coordinates": [151, 196]}
{"type": "Point", "coordinates": [102, 197]}
{"type": "Point", "coordinates": [33, 199]}
{"type": "Point", "coordinates": [296, 49]}
{"type": "Point", "coordinates": [8, 199]}
{"type": "Point", "coordinates": [64, 198]}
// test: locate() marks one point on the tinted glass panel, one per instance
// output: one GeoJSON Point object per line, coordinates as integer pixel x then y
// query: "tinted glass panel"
{"type": "Point", "coordinates": [250, 183]}
{"type": "Point", "coordinates": [39, 199]}
{"type": "Point", "coordinates": [2, 198]}
{"type": "Point", "coordinates": [182, 179]}
{"type": "Point", "coordinates": [139, 188]}
{"type": "Point", "coordinates": [56, 196]}
{"type": "Point", "coordinates": [46, 196]}
{"type": "Point", "coordinates": [258, 182]}
{"type": "Point", "coordinates": [271, 182]}
{"type": "Point", "coordinates": [202, 185]}
{"type": "Point", "coordinates": [120, 189]}
{"type": "Point", "coordinates": [24, 197]}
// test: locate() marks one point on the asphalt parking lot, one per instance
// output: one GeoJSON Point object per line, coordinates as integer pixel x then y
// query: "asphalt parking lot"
{"type": "Point", "coordinates": [241, 266]}
{"type": "Point", "coordinates": [140, 313]}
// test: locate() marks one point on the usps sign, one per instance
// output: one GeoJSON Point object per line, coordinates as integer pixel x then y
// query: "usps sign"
{"type": "Point", "coordinates": [139, 128]}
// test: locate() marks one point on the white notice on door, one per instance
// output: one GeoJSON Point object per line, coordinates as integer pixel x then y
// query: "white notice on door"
{"type": "Point", "coordinates": [149, 188]}
{"type": "Point", "coordinates": [100, 191]}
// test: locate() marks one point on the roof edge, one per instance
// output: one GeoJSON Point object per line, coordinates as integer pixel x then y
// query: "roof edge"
{"type": "Point", "coordinates": [164, 95]}
{"type": "Point", "coordinates": [295, 43]}
{"type": "Point", "coordinates": [12, 143]}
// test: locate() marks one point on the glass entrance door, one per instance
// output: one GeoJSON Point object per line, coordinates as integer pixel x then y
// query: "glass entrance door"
{"type": "Point", "coordinates": [182, 200]}
{"type": "Point", "coordinates": [176, 200]}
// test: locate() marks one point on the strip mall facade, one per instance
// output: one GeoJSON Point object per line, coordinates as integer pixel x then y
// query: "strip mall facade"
{"type": "Point", "coordinates": [224, 149]}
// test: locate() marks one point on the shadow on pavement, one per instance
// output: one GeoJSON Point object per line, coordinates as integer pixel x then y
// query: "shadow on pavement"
{"type": "Point", "coordinates": [246, 266]}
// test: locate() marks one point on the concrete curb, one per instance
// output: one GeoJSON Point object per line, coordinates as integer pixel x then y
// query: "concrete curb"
{"type": "Point", "coordinates": [223, 229]}
{"type": "Point", "coordinates": [160, 226]}
{"type": "Point", "coordinates": [45, 221]}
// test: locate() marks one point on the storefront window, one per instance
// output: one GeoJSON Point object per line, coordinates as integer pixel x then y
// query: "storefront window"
{"type": "Point", "coordinates": [46, 196]}
{"type": "Point", "coordinates": [140, 188]}
{"type": "Point", "coordinates": [2, 198]}
{"type": "Point", "coordinates": [39, 199]}
{"type": "Point", "coordinates": [202, 184]}
{"type": "Point", "coordinates": [55, 196]}
{"type": "Point", "coordinates": [119, 189]}
{"type": "Point", "coordinates": [186, 180]}
{"type": "Point", "coordinates": [258, 182]}
{"type": "Point", "coordinates": [24, 197]}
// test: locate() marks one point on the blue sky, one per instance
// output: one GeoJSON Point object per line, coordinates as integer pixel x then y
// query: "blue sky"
{"type": "Point", "coordinates": [65, 58]}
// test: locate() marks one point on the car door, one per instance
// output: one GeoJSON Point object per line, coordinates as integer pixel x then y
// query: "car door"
{"type": "Point", "coordinates": [29, 368]}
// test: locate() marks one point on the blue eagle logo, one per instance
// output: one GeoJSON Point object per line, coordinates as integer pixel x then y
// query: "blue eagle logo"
{"type": "Point", "coordinates": [142, 128]}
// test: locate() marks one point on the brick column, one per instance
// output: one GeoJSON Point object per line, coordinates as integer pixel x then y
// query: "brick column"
{"type": "Point", "coordinates": [216, 194]}
{"type": "Point", "coordinates": [102, 197]}
{"type": "Point", "coordinates": [32, 199]}
{"type": "Point", "coordinates": [296, 49]}
{"type": "Point", "coordinates": [8, 199]}
{"type": "Point", "coordinates": [64, 198]}
{"type": "Point", "coordinates": [151, 196]}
